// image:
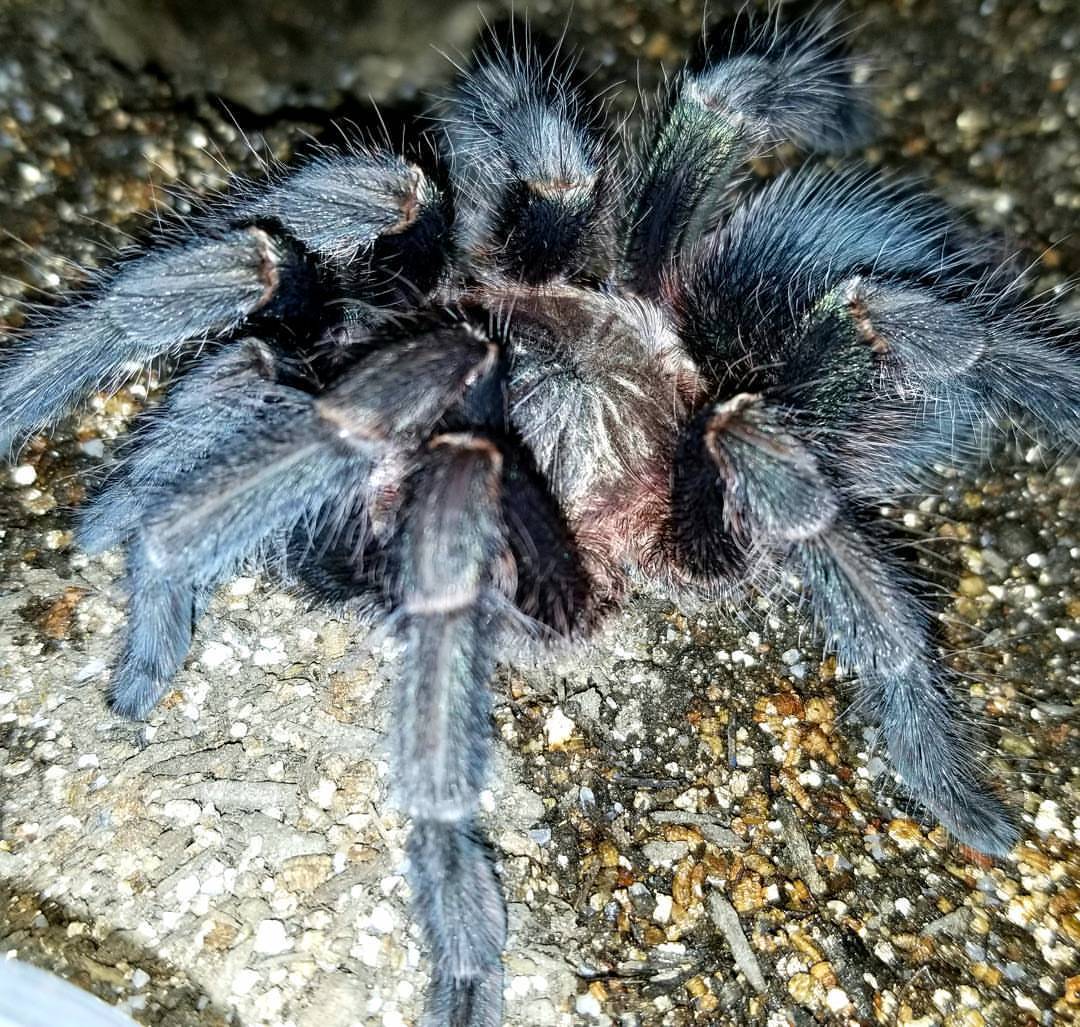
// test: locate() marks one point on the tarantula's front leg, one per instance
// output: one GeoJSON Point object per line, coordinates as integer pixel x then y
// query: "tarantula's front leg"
{"type": "Point", "coordinates": [222, 401]}
{"type": "Point", "coordinates": [763, 84]}
{"type": "Point", "coordinates": [865, 607]}
{"type": "Point", "coordinates": [263, 254]}
{"type": "Point", "coordinates": [304, 466]}
{"type": "Point", "coordinates": [453, 551]}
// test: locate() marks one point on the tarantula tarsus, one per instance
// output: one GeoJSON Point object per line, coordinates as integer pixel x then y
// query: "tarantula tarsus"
{"type": "Point", "coordinates": [488, 413]}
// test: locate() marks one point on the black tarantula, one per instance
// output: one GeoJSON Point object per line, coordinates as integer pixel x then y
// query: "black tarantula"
{"type": "Point", "coordinates": [489, 411]}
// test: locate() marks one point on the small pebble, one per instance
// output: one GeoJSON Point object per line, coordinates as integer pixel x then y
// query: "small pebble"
{"type": "Point", "coordinates": [558, 728]}
{"type": "Point", "coordinates": [836, 999]}
{"type": "Point", "coordinates": [382, 919]}
{"type": "Point", "coordinates": [588, 1005]}
{"type": "Point", "coordinates": [323, 793]}
{"type": "Point", "coordinates": [662, 912]}
{"type": "Point", "coordinates": [244, 981]}
{"type": "Point", "coordinates": [271, 938]}
{"type": "Point", "coordinates": [242, 587]}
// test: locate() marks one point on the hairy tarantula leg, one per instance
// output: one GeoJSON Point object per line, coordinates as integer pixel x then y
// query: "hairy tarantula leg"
{"type": "Point", "coordinates": [763, 84]}
{"type": "Point", "coordinates": [531, 178]}
{"type": "Point", "coordinates": [905, 377]}
{"type": "Point", "coordinates": [1034, 371]}
{"type": "Point", "coordinates": [870, 616]}
{"type": "Point", "coordinates": [741, 295]}
{"type": "Point", "coordinates": [204, 529]}
{"type": "Point", "coordinates": [303, 467]}
{"type": "Point", "coordinates": [452, 543]}
{"type": "Point", "coordinates": [1015, 359]}
{"type": "Point", "coordinates": [865, 607]}
{"type": "Point", "coordinates": [197, 288]}
{"type": "Point", "coordinates": [460, 906]}
{"type": "Point", "coordinates": [382, 407]}
{"type": "Point", "coordinates": [161, 617]}
{"type": "Point", "coordinates": [249, 256]}
{"type": "Point", "coordinates": [222, 399]}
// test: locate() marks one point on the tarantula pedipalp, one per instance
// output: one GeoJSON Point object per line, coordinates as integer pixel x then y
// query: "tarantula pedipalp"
{"type": "Point", "coordinates": [555, 383]}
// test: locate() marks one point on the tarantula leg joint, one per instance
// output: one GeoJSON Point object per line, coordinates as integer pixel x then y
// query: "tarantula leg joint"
{"type": "Point", "coordinates": [269, 261]}
{"type": "Point", "coordinates": [413, 200]}
{"type": "Point", "coordinates": [468, 441]}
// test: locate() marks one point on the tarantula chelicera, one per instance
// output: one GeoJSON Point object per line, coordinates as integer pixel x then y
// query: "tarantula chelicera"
{"type": "Point", "coordinates": [488, 411]}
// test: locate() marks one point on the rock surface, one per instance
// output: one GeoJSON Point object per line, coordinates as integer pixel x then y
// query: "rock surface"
{"type": "Point", "coordinates": [690, 830]}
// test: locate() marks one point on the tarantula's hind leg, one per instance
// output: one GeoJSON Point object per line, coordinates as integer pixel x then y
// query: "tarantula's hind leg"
{"type": "Point", "coordinates": [865, 606]}
{"type": "Point", "coordinates": [265, 253]}
{"type": "Point", "coordinates": [478, 531]}
{"type": "Point", "coordinates": [759, 84]}
{"type": "Point", "coordinates": [161, 618]}
{"type": "Point", "coordinates": [461, 907]}
{"type": "Point", "coordinates": [1032, 373]}
{"type": "Point", "coordinates": [202, 530]}
{"type": "Point", "coordinates": [452, 550]}
{"type": "Point", "coordinates": [904, 376]}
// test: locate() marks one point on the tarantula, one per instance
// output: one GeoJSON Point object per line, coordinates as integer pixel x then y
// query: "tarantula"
{"type": "Point", "coordinates": [486, 412]}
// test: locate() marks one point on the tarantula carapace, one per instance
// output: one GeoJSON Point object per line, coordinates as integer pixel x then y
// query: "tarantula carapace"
{"type": "Point", "coordinates": [487, 412]}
